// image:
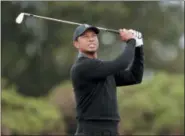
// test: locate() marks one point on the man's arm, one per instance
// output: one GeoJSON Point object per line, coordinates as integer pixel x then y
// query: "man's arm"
{"type": "Point", "coordinates": [96, 69]}
{"type": "Point", "coordinates": [134, 74]}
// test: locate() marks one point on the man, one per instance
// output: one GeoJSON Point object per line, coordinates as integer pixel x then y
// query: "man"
{"type": "Point", "coordinates": [95, 81]}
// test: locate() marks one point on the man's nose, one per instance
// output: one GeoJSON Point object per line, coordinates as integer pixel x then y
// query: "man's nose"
{"type": "Point", "coordinates": [91, 38]}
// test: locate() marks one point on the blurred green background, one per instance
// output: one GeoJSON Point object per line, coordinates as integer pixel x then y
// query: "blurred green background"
{"type": "Point", "coordinates": [36, 57]}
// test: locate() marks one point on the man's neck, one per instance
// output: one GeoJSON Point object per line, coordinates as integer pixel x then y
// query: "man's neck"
{"type": "Point", "coordinates": [92, 56]}
{"type": "Point", "coordinates": [89, 55]}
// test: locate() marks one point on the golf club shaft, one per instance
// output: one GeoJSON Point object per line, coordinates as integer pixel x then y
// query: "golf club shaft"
{"type": "Point", "coordinates": [68, 22]}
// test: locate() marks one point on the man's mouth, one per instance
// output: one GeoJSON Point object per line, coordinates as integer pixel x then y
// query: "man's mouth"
{"type": "Point", "coordinates": [92, 45]}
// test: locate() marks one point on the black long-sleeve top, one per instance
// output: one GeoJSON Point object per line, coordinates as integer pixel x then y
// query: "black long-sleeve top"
{"type": "Point", "coordinates": [95, 81]}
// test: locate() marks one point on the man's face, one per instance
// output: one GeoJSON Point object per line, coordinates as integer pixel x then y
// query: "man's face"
{"type": "Point", "coordinates": [87, 42]}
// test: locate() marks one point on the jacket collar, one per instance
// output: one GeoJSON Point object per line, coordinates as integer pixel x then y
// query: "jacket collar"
{"type": "Point", "coordinates": [83, 55]}
{"type": "Point", "coordinates": [80, 54]}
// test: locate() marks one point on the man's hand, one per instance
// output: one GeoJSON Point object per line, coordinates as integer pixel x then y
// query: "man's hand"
{"type": "Point", "coordinates": [138, 37]}
{"type": "Point", "coordinates": [126, 34]}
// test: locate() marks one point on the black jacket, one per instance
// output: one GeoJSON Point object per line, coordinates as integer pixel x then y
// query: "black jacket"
{"type": "Point", "coordinates": [95, 81]}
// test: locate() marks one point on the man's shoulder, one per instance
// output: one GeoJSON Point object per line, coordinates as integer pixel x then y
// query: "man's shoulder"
{"type": "Point", "coordinates": [78, 62]}
{"type": "Point", "coordinates": [83, 63]}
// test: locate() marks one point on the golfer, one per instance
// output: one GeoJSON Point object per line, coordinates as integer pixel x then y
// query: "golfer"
{"type": "Point", "coordinates": [95, 81]}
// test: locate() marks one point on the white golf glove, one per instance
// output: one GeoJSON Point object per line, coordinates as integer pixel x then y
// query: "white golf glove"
{"type": "Point", "coordinates": [138, 37]}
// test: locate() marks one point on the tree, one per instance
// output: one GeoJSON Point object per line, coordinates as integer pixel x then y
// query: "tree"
{"type": "Point", "coordinates": [37, 55]}
{"type": "Point", "coordinates": [27, 115]}
{"type": "Point", "coordinates": [155, 107]}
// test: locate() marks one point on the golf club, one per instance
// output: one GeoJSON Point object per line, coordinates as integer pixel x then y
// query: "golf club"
{"type": "Point", "coordinates": [20, 19]}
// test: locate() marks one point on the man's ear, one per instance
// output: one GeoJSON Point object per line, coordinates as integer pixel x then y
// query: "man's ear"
{"type": "Point", "coordinates": [75, 43]}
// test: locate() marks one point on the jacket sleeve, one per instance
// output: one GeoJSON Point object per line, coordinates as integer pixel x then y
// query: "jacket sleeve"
{"type": "Point", "coordinates": [134, 74]}
{"type": "Point", "coordinates": [96, 69]}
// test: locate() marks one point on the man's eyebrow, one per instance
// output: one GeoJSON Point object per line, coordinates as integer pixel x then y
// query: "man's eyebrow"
{"type": "Point", "coordinates": [83, 34]}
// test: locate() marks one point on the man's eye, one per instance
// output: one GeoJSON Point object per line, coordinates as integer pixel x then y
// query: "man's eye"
{"type": "Point", "coordinates": [85, 36]}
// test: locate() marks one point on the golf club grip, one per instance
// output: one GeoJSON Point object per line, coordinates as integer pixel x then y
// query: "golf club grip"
{"type": "Point", "coordinates": [113, 31]}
